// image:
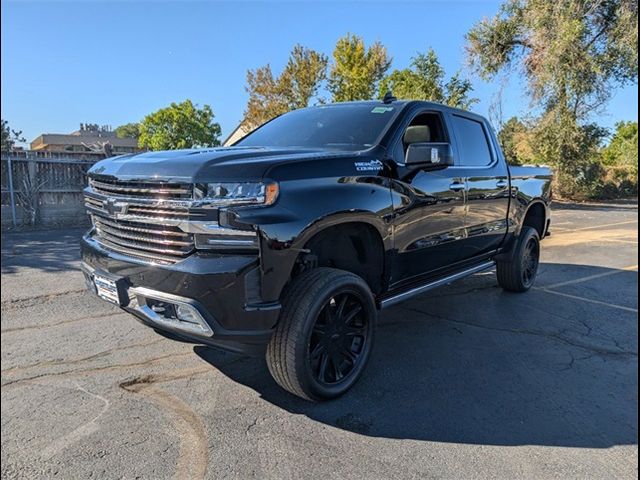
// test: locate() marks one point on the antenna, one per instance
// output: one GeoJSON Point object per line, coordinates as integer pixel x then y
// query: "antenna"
{"type": "Point", "coordinates": [388, 97]}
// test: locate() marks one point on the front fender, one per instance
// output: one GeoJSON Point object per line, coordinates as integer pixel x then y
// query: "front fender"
{"type": "Point", "coordinates": [307, 207]}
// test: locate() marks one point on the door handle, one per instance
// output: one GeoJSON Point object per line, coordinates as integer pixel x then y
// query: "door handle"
{"type": "Point", "coordinates": [502, 184]}
{"type": "Point", "coordinates": [456, 186]}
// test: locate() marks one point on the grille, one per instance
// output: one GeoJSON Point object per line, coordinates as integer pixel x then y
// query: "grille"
{"type": "Point", "coordinates": [148, 190]}
{"type": "Point", "coordinates": [159, 243]}
{"type": "Point", "coordinates": [144, 212]}
{"type": "Point", "coordinates": [140, 220]}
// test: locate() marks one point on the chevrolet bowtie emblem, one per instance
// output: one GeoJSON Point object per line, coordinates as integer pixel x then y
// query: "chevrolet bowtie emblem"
{"type": "Point", "coordinates": [113, 207]}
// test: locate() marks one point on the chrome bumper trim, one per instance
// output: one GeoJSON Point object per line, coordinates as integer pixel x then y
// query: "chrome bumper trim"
{"type": "Point", "coordinates": [200, 328]}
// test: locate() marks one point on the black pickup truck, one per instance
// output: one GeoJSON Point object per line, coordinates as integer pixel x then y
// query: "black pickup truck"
{"type": "Point", "coordinates": [289, 242]}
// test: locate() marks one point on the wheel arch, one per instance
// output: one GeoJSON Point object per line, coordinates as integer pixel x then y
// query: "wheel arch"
{"type": "Point", "coordinates": [536, 216]}
{"type": "Point", "coordinates": [353, 245]}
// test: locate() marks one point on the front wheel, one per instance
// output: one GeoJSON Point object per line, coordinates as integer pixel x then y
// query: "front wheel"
{"type": "Point", "coordinates": [324, 336]}
{"type": "Point", "coordinates": [519, 273]}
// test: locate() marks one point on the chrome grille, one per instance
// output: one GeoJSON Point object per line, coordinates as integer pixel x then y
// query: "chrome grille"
{"type": "Point", "coordinates": [160, 243]}
{"type": "Point", "coordinates": [141, 220]}
{"type": "Point", "coordinates": [150, 190]}
{"type": "Point", "coordinates": [153, 212]}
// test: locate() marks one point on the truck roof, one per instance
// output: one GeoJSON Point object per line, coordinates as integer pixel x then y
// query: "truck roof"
{"type": "Point", "coordinates": [401, 103]}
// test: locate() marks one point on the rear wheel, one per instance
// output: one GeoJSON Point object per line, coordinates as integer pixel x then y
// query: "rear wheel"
{"type": "Point", "coordinates": [324, 336]}
{"type": "Point", "coordinates": [519, 273]}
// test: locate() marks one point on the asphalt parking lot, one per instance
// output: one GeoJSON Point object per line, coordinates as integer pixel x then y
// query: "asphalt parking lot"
{"type": "Point", "coordinates": [464, 382]}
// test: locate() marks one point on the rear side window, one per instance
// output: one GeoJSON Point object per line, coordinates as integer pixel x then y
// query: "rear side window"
{"type": "Point", "coordinates": [474, 147]}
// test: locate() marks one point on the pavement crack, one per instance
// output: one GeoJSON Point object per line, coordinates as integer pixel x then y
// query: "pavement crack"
{"type": "Point", "coordinates": [26, 302]}
{"type": "Point", "coordinates": [251, 425]}
{"type": "Point", "coordinates": [103, 368]}
{"type": "Point", "coordinates": [589, 330]}
{"type": "Point", "coordinates": [63, 322]}
{"type": "Point", "coordinates": [104, 353]}
{"type": "Point", "coordinates": [574, 360]}
{"type": "Point", "coordinates": [539, 333]}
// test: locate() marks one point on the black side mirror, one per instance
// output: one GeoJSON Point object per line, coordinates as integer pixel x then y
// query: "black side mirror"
{"type": "Point", "coordinates": [431, 154]}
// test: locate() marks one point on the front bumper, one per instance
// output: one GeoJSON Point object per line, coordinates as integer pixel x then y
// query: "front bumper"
{"type": "Point", "coordinates": [221, 288]}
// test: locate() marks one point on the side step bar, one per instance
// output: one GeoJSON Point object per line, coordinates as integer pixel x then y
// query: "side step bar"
{"type": "Point", "coordinates": [401, 297]}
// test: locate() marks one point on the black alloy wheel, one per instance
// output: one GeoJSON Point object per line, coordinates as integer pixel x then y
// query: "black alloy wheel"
{"type": "Point", "coordinates": [530, 261]}
{"type": "Point", "coordinates": [518, 272]}
{"type": "Point", "coordinates": [325, 333]}
{"type": "Point", "coordinates": [338, 339]}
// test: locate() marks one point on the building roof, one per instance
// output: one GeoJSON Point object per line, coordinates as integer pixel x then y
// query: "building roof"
{"type": "Point", "coordinates": [240, 131]}
{"type": "Point", "coordinates": [77, 139]}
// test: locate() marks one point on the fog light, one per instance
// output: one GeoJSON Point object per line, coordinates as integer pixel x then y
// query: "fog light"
{"type": "Point", "coordinates": [187, 313]}
{"type": "Point", "coordinates": [171, 313]}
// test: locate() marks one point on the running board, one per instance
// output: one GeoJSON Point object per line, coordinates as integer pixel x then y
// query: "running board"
{"type": "Point", "coordinates": [401, 297]}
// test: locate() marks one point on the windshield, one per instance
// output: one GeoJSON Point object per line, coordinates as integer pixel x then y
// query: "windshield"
{"type": "Point", "coordinates": [343, 127]}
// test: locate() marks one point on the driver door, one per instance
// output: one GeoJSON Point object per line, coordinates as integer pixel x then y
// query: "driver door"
{"type": "Point", "coordinates": [429, 207]}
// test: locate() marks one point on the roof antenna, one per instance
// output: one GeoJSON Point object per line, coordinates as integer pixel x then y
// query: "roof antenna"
{"type": "Point", "coordinates": [388, 97]}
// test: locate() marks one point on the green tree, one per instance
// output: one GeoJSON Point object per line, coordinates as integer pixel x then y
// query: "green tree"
{"type": "Point", "coordinates": [265, 101]}
{"type": "Point", "coordinates": [514, 137]}
{"type": "Point", "coordinates": [620, 158]}
{"type": "Point", "coordinates": [574, 149]}
{"type": "Point", "coordinates": [128, 130]}
{"type": "Point", "coordinates": [302, 76]}
{"type": "Point", "coordinates": [425, 80]}
{"type": "Point", "coordinates": [623, 147]}
{"type": "Point", "coordinates": [180, 125]}
{"type": "Point", "coordinates": [295, 87]}
{"type": "Point", "coordinates": [357, 70]}
{"type": "Point", "coordinates": [10, 137]}
{"type": "Point", "coordinates": [573, 53]}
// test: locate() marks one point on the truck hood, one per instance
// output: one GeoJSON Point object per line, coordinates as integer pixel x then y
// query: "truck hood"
{"type": "Point", "coordinates": [207, 165]}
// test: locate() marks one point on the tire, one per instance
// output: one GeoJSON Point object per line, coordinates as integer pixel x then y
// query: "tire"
{"type": "Point", "coordinates": [519, 273]}
{"type": "Point", "coordinates": [324, 335]}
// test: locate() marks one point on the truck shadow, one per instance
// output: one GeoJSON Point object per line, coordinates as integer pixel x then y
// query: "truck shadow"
{"type": "Point", "coordinates": [472, 364]}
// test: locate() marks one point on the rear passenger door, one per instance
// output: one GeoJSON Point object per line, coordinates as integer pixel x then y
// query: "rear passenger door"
{"type": "Point", "coordinates": [487, 185]}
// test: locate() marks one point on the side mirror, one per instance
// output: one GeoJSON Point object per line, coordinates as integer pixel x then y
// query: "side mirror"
{"type": "Point", "coordinates": [432, 154]}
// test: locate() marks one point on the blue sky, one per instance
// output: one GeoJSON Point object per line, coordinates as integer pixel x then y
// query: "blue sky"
{"type": "Point", "coordinates": [114, 62]}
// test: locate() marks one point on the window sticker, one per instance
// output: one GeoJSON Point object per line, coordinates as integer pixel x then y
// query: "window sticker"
{"type": "Point", "coordinates": [382, 109]}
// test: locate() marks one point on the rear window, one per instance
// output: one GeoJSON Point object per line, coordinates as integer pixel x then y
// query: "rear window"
{"type": "Point", "coordinates": [472, 139]}
{"type": "Point", "coordinates": [340, 127]}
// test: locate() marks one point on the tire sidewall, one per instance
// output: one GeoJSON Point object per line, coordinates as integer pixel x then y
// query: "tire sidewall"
{"type": "Point", "coordinates": [526, 236]}
{"type": "Point", "coordinates": [348, 284]}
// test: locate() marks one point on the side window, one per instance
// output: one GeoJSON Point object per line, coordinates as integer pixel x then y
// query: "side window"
{"type": "Point", "coordinates": [474, 147]}
{"type": "Point", "coordinates": [424, 128]}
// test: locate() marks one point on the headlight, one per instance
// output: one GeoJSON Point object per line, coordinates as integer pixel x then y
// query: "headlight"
{"type": "Point", "coordinates": [241, 193]}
